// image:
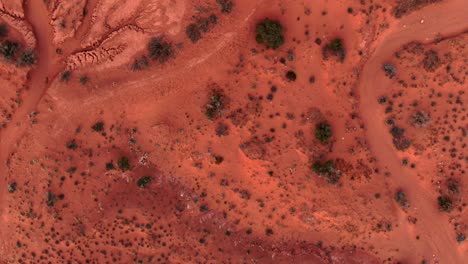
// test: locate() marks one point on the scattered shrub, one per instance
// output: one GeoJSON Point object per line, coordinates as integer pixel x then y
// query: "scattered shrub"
{"type": "Point", "coordinates": [98, 127]}
{"type": "Point", "coordinates": [334, 48]}
{"type": "Point", "coordinates": [399, 140]}
{"type": "Point", "coordinates": [389, 69]}
{"type": "Point", "coordinates": [270, 33]}
{"type": "Point", "coordinates": [404, 7]}
{"type": "Point", "coordinates": [65, 76]}
{"type": "Point", "coordinates": [431, 61]}
{"type": "Point", "coordinates": [27, 58]}
{"type": "Point", "coordinates": [290, 75]}
{"type": "Point", "coordinates": [445, 203]}
{"type": "Point", "coordinates": [453, 186]}
{"type": "Point", "coordinates": [140, 64]}
{"type": "Point", "coordinates": [323, 131]}
{"type": "Point", "coordinates": [72, 144]}
{"type": "Point", "coordinates": [420, 119]}
{"type": "Point", "coordinates": [144, 181]}
{"type": "Point", "coordinates": [9, 49]}
{"type": "Point", "coordinates": [160, 50]}
{"type": "Point", "coordinates": [215, 107]}
{"type": "Point", "coordinates": [327, 170]}
{"type": "Point", "coordinates": [50, 199]}
{"type": "Point", "coordinates": [460, 237]}
{"type": "Point", "coordinates": [4, 30]}
{"type": "Point", "coordinates": [123, 163]}
{"type": "Point", "coordinates": [401, 198]}
{"type": "Point", "coordinates": [84, 79]}
{"type": "Point", "coordinates": [193, 33]}
{"type": "Point", "coordinates": [12, 187]}
{"type": "Point", "coordinates": [226, 5]}
{"type": "Point", "coordinates": [222, 130]}
{"type": "Point", "coordinates": [110, 166]}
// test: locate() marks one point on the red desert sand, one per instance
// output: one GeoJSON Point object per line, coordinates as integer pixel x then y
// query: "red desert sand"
{"type": "Point", "coordinates": [234, 131]}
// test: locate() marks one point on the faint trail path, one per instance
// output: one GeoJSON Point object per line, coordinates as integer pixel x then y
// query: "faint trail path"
{"type": "Point", "coordinates": [437, 237]}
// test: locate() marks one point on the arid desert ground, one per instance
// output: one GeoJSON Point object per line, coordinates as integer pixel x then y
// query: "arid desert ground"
{"type": "Point", "coordinates": [234, 131]}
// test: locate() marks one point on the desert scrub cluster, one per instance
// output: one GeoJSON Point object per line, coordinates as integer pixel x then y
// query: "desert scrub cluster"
{"type": "Point", "coordinates": [323, 132]}
{"type": "Point", "coordinates": [270, 33]}
{"type": "Point", "coordinates": [12, 51]}
{"type": "Point", "coordinates": [216, 104]}
{"type": "Point", "coordinates": [335, 48]}
{"type": "Point", "coordinates": [195, 30]}
{"type": "Point", "coordinates": [160, 50]}
{"type": "Point", "coordinates": [327, 170]}
{"type": "Point", "coordinates": [144, 182]}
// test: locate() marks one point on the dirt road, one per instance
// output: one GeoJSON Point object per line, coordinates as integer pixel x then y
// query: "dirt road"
{"type": "Point", "coordinates": [437, 236]}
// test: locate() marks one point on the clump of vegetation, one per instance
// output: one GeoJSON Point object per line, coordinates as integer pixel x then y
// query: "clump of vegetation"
{"type": "Point", "coordinates": [98, 127]}
{"type": "Point", "coordinates": [460, 237]}
{"type": "Point", "coordinates": [222, 130]}
{"type": "Point", "coordinates": [445, 203]}
{"type": "Point", "coordinates": [401, 198]}
{"type": "Point", "coordinates": [202, 25]}
{"type": "Point", "coordinates": [327, 170]}
{"type": "Point", "coordinates": [72, 144]}
{"type": "Point", "coordinates": [270, 33]}
{"type": "Point", "coordinates": [389, 69]}
{"type": "Point", "coordinates": [420, 119]}
{"type": "Point", "coordinates": [9, 49]}
{"type": "Point", "coordinates": [3, 30]}
{"type": "Point", "coordinates": [110, 166]}
{"type": "Point", "coordinates": [399, 139]}
{"type": "Point", "coordinates": [65, 76]}
{"type": "Point", "coordinates": [431, 61]}
{"type": "Point", "coordinates": [140, 64]}
{"type": "Point", "coordinates": [50, 199]}
{"type": "Point", "coordinates": [27, 58]}
{"type": "Point", "coordinates": [144, 181]}
{"type": "Point", "coordinates": [160, 49]}
{"type": "Point", "coordinates": [226, 5]}
{"type": "Point", "coordinates": [215, 107]}
{"type": "Point", "coordinates": [453, 186]}
{"type": "Point", "coordinates": [405, 7]}
{"type": "Point", "coordinates": [84, 79]}
{"type": "Point", "coordinates": [123, 163]}
{"type": "Point", "coordinates": [12, 187]}
{"type": "Point", "coordinates": [323, 131]}
{"type": "Point", "coordinates": [334, 48]}
{"type": "Point", "coordinates": [291, 75]}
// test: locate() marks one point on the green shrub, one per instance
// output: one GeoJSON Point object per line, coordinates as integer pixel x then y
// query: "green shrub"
{"type": "Point", "coordinates": [327, 170]}
{"type": "Point", "coordinates": [216, 105]}
{"type": "Point", "coordinates": [270, 33]}
{"type": "Point", "coordinates": [9, 49]}
{"type": "Point", "coordinates": [50, 199]}
{"type": "Point", "coordinates": [123, 163]}
{"type": "Point", "coordinates": [160, 50]}
{"type": "Point", "coordinates": [65, 76]}
{"type": "Point", "coordinates": [98, 127]}
{"type": "Point", "coordinates": [144, 181]}
{"type": "Point", "coordinates": [445, 203]}
{"type": "Point", "coordinates": [27, 58]}
{"type": "Point", "coordinates": [334, 48]}
{"type": "Point", "coordinates": [84, 79]}
{"type": "Point", "coordinates": [323, 131]}
{"type": "Point", "coordinates": [226, 5]}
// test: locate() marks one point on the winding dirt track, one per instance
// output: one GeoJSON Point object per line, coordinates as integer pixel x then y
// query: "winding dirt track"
{"type": "Point", "coordinates": [448, 19]}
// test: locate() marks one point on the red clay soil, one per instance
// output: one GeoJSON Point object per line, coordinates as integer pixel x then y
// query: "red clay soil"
{"type": "Point", "coordinates": [160, 131]}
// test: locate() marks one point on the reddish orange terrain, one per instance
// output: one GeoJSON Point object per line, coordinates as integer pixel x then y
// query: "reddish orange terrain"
{"type": "Point", "coordinates": [234, 131]}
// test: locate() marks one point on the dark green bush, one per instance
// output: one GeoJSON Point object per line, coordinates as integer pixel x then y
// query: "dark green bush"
{"type": "Point", "coordinates": [123, 163]}
{"type": "Point", "coordinates": [216, 105]}
{"type": "Point", "coordinates": [27, 58]}
{"type": "Point", "coordinates": [72, 145]}
{"type": "Point", "coordinates": [12, 187]}
{"type": "Point", "coordinates": [270, 33]}
{"type": "Point", "coordinates": [84, 79]}
{"type": "Point", "coordinates": [290, 75]}
{"type": "Point", "coordinates": [334, 48]}
{"type": "Point", "coordinates": [98, 127]}
{"type": "Point", "coordinates": [193, 33]}
{"type": "Point", "coordinates": [327, 170]}
{"type": "Point", "coordinates": [9, 49]}
{"type": "Point", "coordinates": [445, 203]}
{"type": "Point", "coordinates": [226, 5]}
{"type": "Point", "coordinates": [50, 199]}
{"type": "Point", "coordinates": [160, 50]}
{"type": "Point", "coordinates": [144, 181]}
{"type": "Point", "coordinates": [65, 76]}
{"type": "Point", "coordinates": [323, 131]}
